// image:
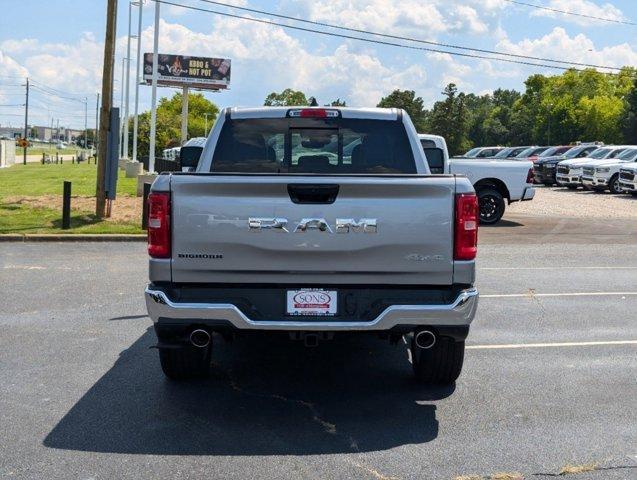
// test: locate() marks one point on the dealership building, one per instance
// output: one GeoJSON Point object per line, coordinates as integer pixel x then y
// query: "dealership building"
{"type": "Point", "coordinates": [45, 134]}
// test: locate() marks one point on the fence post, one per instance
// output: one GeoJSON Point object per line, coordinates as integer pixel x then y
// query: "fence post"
{"type": "Point", "coordinates": [42, 158]}
{"type": "Point", "coordinates": [57, 157]}
{"type": "Point", "coordinates": [145, 206]}
{"type": "Point", "coordinates": [66, 206]}
{"type": "Point", "coordinates": [61, 160]}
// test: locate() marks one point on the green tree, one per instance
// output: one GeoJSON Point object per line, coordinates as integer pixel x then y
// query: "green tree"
{"type": "Point", "coordinates": [168, 132]}
{"type": "Point", "coordinates": [629, 116]}
{"type": "Point", "coordinates": [286, 98]}
{"type": "Point", "coordinates": [407, 100]}
{"type": "Point", "coordinates": [449, 118]}
{"type": "Point", "coordinates": [337, 103]}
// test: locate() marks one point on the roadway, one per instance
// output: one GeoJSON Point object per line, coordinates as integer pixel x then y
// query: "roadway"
{"type": "Point", "coordinates": [547, 380]}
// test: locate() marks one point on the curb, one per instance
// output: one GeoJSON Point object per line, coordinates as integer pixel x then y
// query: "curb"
{"type": "Point", "coordinates": [70, 237]}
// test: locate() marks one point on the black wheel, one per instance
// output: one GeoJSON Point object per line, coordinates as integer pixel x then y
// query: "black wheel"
{"type": "Point", "coordinates": [587, 188]}
{"type": "Point", "coordinates": [613, 184]}
{"type": "Point", "coordinates": [440, 364]}
{"type": "Point", "coordinates": [571, 187]}
{"type": "Point", "coordinates": [186, 362]}
{"type": "Point", "coordinates": [491, 205]}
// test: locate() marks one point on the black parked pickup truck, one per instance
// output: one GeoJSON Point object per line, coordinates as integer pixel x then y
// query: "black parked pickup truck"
{"type": "Point", "coordinates": [544, 168]}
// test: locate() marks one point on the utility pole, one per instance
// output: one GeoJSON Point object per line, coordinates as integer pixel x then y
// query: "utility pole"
{"type": "Point", "coordinates": [137, 79]}
{"type": "Point", "coordinates": [126, 101]}
{"type": "Point", "coordinates": [153, 101]}
{"type": "Point", "coordinates": [184, 115]}
{"type": "Point", "coordinates": [26, 127]}
{"type": "Point", "coordinates": [107, 100]}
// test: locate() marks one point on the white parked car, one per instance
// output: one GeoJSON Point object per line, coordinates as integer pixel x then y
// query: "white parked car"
{"type": "Point", "coordinates": [628, 178]}
{"type": "Point", "coordinates": [496, 181]}
{"type": "Point", "coordinates": [604, 174]}
{"type": "Point", "coordinates": [569, 172]}
{"type": "Point", "coordinates": [482, 152]}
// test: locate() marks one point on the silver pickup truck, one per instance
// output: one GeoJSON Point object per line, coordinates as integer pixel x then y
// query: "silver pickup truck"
{"type": "Point", "coordinates": [312, 222]}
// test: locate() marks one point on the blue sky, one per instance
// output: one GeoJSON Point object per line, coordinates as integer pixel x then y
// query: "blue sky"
{"type": "Point", "coordinates": [62, 48]}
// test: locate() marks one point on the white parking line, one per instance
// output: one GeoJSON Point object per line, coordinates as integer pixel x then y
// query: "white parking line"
{"type": "Point", "coordinates": [548, 345]}
{"type": "Point", "coordinates": [566, 294]}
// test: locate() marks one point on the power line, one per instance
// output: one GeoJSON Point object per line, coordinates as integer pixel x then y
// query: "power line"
{"type": "Point", "coordinates": [566, 12]}
{"type": "Point", "coordinates": [409, 39]}
{"type": "Point", "coordinates": [44, 92]}
{"type": "Point", "coordinates": [55, 90]}
{"type": "Point", "coordinates": [369, 40]}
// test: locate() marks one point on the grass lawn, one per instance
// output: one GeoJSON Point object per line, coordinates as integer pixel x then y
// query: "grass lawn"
{"type": "Point", "coordinates": [31, 200]}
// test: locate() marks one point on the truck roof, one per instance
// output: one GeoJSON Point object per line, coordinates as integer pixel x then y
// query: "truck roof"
{"type": "Point", "coordinates": [281, 112]}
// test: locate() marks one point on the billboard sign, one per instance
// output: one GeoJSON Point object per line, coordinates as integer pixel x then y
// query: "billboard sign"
{"type": "Point", "coordinates": [197, 72]}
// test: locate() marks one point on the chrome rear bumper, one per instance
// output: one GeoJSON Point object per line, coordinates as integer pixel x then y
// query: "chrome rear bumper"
{"type": "Point", "coordinates": [458, 313]}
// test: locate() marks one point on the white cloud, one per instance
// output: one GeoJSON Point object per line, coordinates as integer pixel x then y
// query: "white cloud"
{"type": "Point", "coordinates": [13, 74]}
{"type": "Point", "coordinates": [582, 7]}
{"type": "Point", "coordinates": [407, 17]}
{"type": "Point", "coordinates": [579, 48]}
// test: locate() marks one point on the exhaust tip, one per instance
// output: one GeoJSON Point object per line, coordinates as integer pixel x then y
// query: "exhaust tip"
{"type": "Point", "coordinates": [425, 339]}
{"type": "Point", "coordinates": [200, 338]}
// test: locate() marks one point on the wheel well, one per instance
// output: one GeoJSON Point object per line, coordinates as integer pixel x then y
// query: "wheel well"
{"type": "Point", "coordinates": [499, 185]}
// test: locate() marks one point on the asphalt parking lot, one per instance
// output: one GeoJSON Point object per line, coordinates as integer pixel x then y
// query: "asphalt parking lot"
{"type": "Point", "coordinates": [550, 376]}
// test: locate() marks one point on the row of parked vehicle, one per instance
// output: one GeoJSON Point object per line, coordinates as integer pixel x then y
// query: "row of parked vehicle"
{"type": "Point", "coordinates": [592, 166]}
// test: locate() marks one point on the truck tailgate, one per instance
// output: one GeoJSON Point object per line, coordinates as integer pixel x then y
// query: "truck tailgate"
{"type": "Point", "coordinates": [213, 242]}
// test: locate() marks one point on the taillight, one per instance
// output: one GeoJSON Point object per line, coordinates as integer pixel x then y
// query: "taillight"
{"type": "Point", "coordinates": [159, 225]}
{"type": "Point", "coordinates": [530, 176]}
{"type": "Point", "coordinates": [466, 227]}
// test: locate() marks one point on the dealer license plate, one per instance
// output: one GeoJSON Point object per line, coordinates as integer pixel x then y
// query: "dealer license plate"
{"type": "Point", "coordinates": [311, 301]}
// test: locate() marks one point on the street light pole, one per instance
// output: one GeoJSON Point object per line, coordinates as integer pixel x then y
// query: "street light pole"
{"type": "Point", "coordinates": [137, 79]}
{"type": "Point", "coordinates": [121, 110]}
{"type": "Point", "coordinates": [85, 123]}
{"type": "Point", "coordinates": [153, 107]}
{"type": "Point", "coordinates": [26, 127]}
{"type": "Point", "coordinates": [125, 146]}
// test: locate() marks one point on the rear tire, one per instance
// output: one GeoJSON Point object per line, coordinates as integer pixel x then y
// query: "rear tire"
{"type": "Point", "coordinates": [491, 205]}
{"type": "Point", "coordinates": [186, 362]}
{"type": "Point", "coordinates": [440, 364]}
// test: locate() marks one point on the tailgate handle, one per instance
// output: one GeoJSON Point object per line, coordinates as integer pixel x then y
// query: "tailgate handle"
{"type": "Point", "coordinates": [316, 194]}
